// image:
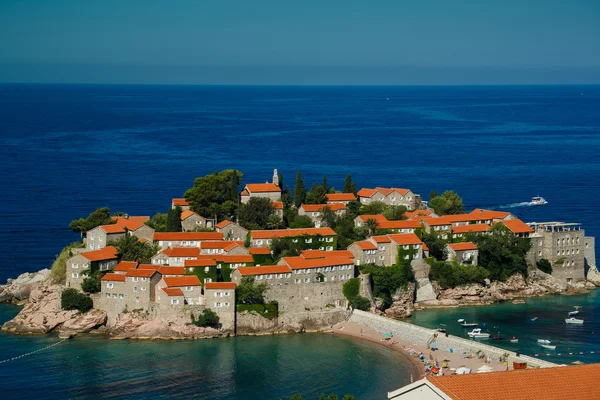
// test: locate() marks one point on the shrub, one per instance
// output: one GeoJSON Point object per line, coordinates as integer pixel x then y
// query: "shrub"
{"type": "Point", "coordinates": [58, 273]}
{"type": "Point", "coordinates": [387, 280]}
{"type": "Point", "coordinates": [544, 266]}
{"type": "Point", "coordinates": [360, 303]}
{"type": "Point", "coordinates": [351, 288]}
{"type": "Point", "coordinates": [269, 310]}
{"type": "Point", "coordinates": [207, 318]}
{"type": "Point", "coordinates": [91, 283]}
{"type": "Point", "coordinates": [449, 275]}
{"type": "Point", "coordinates": [71, 299]}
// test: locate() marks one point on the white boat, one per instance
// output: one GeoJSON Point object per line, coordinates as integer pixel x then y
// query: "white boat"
{"type": "Point", "coordinates": [574, 320]}
{"type": "Point", "coordinates": [571, 313]}
{"type": "Point", "coordinates": [476, 333]}
{"type": "Point", "coordinates": [547, 346]}
{"type": "Point", "coordinates": [544, 341]}
{"type": "Point", "coordinates": [460, 321]}
{"type": "Point", "coordinates": [538, 201]}
{"type": "Point", "coordinates": [513, 340]}
{"type": "Point", "coordinates": [469, 324]}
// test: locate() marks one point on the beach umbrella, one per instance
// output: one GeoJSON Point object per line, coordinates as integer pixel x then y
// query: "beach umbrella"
{"type": "Point", "coordinates": [463, 370]}
{"type": "Point", "coordinates": [484, 368]}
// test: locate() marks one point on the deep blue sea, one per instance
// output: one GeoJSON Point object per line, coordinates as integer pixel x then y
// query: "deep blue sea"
{"type": "Point", "coordinates": [67, 149]}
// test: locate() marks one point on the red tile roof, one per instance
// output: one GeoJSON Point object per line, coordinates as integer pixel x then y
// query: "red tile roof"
{"type": "Point", "coordinates": [122, 223]}
{"type": "Point", "coordinates": [200, 262]}
{"type": "Point", "coordinates": [381, 239]}
{"type": "Point", "coordinates": [277, 205]}
{"type": "Point", "coordinates": [308, 254]}
{"type": "Point", "coordinates": [517, 226]}
{"type": "Point", "coordinates": [483, 215]}
{"type": "Point", "coordinates": [179, 202]}
{"type": "Point", "coordinates": [366, 245]}
{"type": "Point", "coordinates": [405, 238]}
{"type": "Point", "coordinates": [221, 244]}
{"type": "Point", "coordinates": [179, 281]}
{"type": "Point", "coordinates": [125, 266]}
{"type": "Point", "coordinates": [177, 236]}
{"type": "Point", "coordinates": [416, 213]}
{"type": "Point", "coordinates": [113, 277]}
{"type": "Point", "coordinates": [259, 250]}
{"type": "Point", "coordinates": [148, 266]}
{"type": "Point", "coordinates": [280, 233]}
{"type": "Point", "coordinates": [219, 285]}
{"type": "Point", "coordinates": [113, 228]}
{"type": "Point", "coordinates": [244, 193]}
{"type": "Point", "coordinates": [463, 246]}
{"type": "Point", "coordinates": [242, 258]}
{"type": "Point", "coordinates": [172, 291]}
{"type": "Point", "coordinates": [425, 248]}
{"type": "Point", "coordinates": [184, 252]}
{"type": "Point", "coordinates": [223, 224]}
{"type": "Point", "coordinates": [262, 188]}
{"type": "Point", "coordinates": [471, 228]}
{"type": "Point", "coordinates": [186, 214]}
{"type": "Point", "coordinates": [377, 217]}
{"type": "Point", "coordinates": [399, 224]}
{"type": "Point", "coordinates": [320, 207]}
{"type": "Point", "coordinates": [143, 273]}
{"type": "Point", "coordinates": [270, 269]}
{"type": "Point", "coordinates": [106, 253]}
{"type": "Point", "coordinates": [302, 263]}
{"type": "Point", "coordinates": [439, 221]}
{"type": "Point", "coordinates": [167, 270]}
{"type": "Point", "coordinates": [341, 197]}
{"type": "Point", "coordinates": [577, 382]}
{"type": "Point", "coordinates": [385, 191]}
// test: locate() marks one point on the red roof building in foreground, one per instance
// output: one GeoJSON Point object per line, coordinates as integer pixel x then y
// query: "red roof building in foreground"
{"type": "Point", "coordinates": [577, 382]}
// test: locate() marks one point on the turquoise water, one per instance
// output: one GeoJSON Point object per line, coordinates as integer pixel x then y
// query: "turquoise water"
{"type": "Point", "coordinates": [269, 367]}
{"type": "Point", "coordinates": [515, 320]}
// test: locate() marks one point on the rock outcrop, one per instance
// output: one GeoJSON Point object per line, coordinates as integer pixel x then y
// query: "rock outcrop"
{"type": "Point", "coordinates": [83, 323]}
{"type": "Point", "coordinates": [425, 290]}
{"type": "Point", "coordinates": [17, 290]}
{"type": "Point", "coordinates": [593, 275]}
{"type": "Point", "coordinates": [42, 313]}
{"type": "Point", "coordinates": [402, 303]}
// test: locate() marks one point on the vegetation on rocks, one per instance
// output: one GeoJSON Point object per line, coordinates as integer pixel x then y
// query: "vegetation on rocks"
{"type": "Point", "coordinates": [268, 310]}
{"type": "Point", "coordinates": [249, 292]}
{"type": "Point", "coordinates": [351, 290]}
{"type": "Point", "coordinates": [91, 283]}
{"type": "Point", "coordinates": [99, 217]}
{"type": "Point", "coordinates": [58, 273]}
{"type": "Point", "coordinates": [544, 266]}
{"type": "Point", "coordinates": [71, 299]}
{"type": "Point", "coordinates": [452, 274]}
{"type": "Point", "coordinates": [387, 281]}
{"type": "Point", "coordinates": [208, 318]}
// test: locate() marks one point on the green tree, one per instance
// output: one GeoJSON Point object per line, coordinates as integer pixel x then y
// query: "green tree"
{"type": "Point", "coordinates": [349, 185]}
{"type": "Point", "coordinates": [316, 195]}
{"type": "Point", "coordinates": [325, 185]}
{"type": "Point", "coordinates": [256, 213]}
{"type": "Point", "coordinates": [348, 397]}
{"type": "Point", "coordinates": [99, 217]}
{"type": "Point", "coordinates": [328, 217]}
{"type": "Point", "coordinates": [286, 198]}
{"type": "Point", "coordinates": [58, 273]}
{"type": "Point", "coordinates": [91, 283]}
{"type": "Point", "coordinates": [71, 299]}
{"type": "Point", "coordinates": [452, 274]}
{"type": "Point", "coordinates": [249, 292]}
{"type": "Point", "coordinates": [274, 222]}
{"type": "Point", "coordinates": [296, 397]}
{"type": "Point", "coordinates": [386, 281]}
{"type": "Point", "coordinates": [374, 208]}
{"type": "Point", "coordinates": [353, 209]}
{"type": "Point", "coordinates": [448, 203]}
{"type": "Point", "coordinates": [208, 318]}
{"type": "Point", "coordinates": [302, 221]}
{"type": "Point", "coordinates": [394, 213]}
{"type": "Point", "coordinates": [215, 194]}
{"type": "Point", "coordinates": [432, 195]}
{"type": "Point", "coordinates": [346, 231]}
{"type": "Point", "coordinates": [299, 191]}
{"type": "Point", "coordinates": [174, 219]}
{"type": "Point", "coordinates": [281, 180]}
{"type": "Point", "coordinates": [544, 266]}
{"type": "Point", "coordinates": [158, 222]}
{"type": "Point", "coordinates": [129, 248]}
{"type": "Point", "coordinates": [371, 225]}
{"type": "Point", "coordinates": [436, 245]}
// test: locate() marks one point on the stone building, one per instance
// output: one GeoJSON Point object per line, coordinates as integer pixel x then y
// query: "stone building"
{"type": "Point", "coordinates": [384, 250]}
{"type": "Point", "coordinates": [463, 253]}
{"type": "Point", "coordinates": [327, 269]}
{"type": "Point", "coordinates": [459, 232]}
{"type": "Point", "coordinates": [190, 221]}
{"type": "Point", "coordinates": [396, 226]}
{"type": "Point", "coordinates": [343, 198]}
{"type": "Point", "coordinates": [315, 212]}
{"type": "Point", "coordinates": [271, 274]}
{"type": "Point", "coordinates": [266, 190]}
{"type": "Point", "coordinates": [184, 239]}
{"type": "Point", "coordinates": [176, 256]}
{"type": "Point", "coordinates": [104, 259]}
{"type": "Point", "coordinates": [190, 285]}
{"type": "Point", "coordinates": [223, 247]}
{"type": "Point", "coordinates": [102, 235]}
{"type": "Point", "coordinates": [179, 202]}
{"type": "Point", "coordinates": [277, 208]}
{"type": "Point", "coordinates": [231, 231]}
{"type": "Point", "coordinates": [220, 297]}
{"type": "Point", "coordinates": [132, 290]}
{"type": "Point", "coordinates": [442, 226]}
{"type": "Point", "coordinates": [323, 238]}
{"type": "Point", "coordinates": [390, 196]}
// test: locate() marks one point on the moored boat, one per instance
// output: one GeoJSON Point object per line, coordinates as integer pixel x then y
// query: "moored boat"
{"type": "Point", "coordinates": [469, 324]}
{"type": "Point", "coordinates": [498, 337]}
{"type": "Point", "coordinates": [547, 346]}
{"type": "Point", "coordinates": [543, 341]}
{"type": "Point", "coordinates": [478, 334]}
{"type": "Point", "coordinates": [513, 340]}
{"type": "Point", "coordinates": [571, 313]}
{"type": "Point", "coordinates": [460, 321]}
{"type": "Point", "coordinates": [574, 320]}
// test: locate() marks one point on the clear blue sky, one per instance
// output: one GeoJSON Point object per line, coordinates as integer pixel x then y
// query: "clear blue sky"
{"type": "Point", "coordinates": [300, 41]}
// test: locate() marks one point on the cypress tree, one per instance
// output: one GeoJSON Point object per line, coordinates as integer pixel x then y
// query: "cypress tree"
{"type": "Point", "coordinates": [299, 191]}
{"type": "Point", "coordinates": [348, 184]}
{"type": "Point", "coordinates": [281, 181]}
{"type": "Point", "coordinates": [174, 220]}
{"type": "Point", "coordinates": [325, 185]}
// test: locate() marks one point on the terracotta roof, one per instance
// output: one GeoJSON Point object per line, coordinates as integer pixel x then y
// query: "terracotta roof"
{"type": "Point", "coordinates": [167, 270]}
{"type": "Point", "coordinates": [259, 250]}
{"type": "Point", "coordinates": [125, 266]}
{"type": "Point", "coordinates": [223, 224]}
{"type": "Point", "coordinates": [517, 226]}
{"type": "Point", "coordinates": [412, 214]}
{"type": "Point", "coordinates": [366, 245]}
{"type": "Point", "coordinates": [167, 252]}
{"type": "Point", "coordinates": [308, 254]}
{"type": "Point", "coordinates": [381, 239]}
{"type": "Point", "coordinates": [377, 217]}
{"type": "Point", "coordinates": [244, 193]}
{"type": "Point", "coordinates": [143, 273]}
{"type": "Point", "coordinates": [176, 236]}
{"type": "Point", "coordinates": [219, 285]}
{"type": "Point", "coordinates": [113, 228]}
{"type": "Point", "coordinates": [172, 291]}
{"type": "Point", "coordinates": [320, 207]}
{"type": "Point", "coordinates": [243, 258]}
{"type": "Point", "coordinates": [405, 238]}
{"type": "Point", "coordinates": [148, 266]}
{"type": "Point", "coordinates": [262, 188]}
{"type": "Point", "coordinates": [179, 281]}
{"type": "Point", "coordinates": [221, 244]}
{"type": "Point", "coordinates": [341, 197]}
{"type": "Point", "coordinates": [578, 382]}
{"type": "Point", "coordinates": [106, 253]}
{"type": "Point", "coordinates": [463, 246]}
{"type": "Point", "coordinates": [399, 224]}
{"type": "Point", "coordinates": [482, 214]}
{"type": "Point", "coordinates": [113, 277]}
{"type": "Point", "coordinates": [280, 233]}
{"type": "Point", "coordinates": [179, 202]}
{"type": "Point", "coordinates": [270, 269]}
{"type": "Point", "coordinates": [425, 248]}
{"type": "Point", "coordinates": [277, 205]}
{"type": "Point", "coordinates": [131, 223]}
{"type": "Point", "coordinates": [187, 213]}
{"type": "Point", "coordinates": [439, 221]}
{"type": "Point", "coordinates": [200, 262]}
{"type": "Point", "coordinates": [471, 228]}
{"type": "Point", "coordinates": [184, 252]}
{"type": "Point", "coordinates": [302, 263]}
{"type": "Point", "coordinates": [385, 191]}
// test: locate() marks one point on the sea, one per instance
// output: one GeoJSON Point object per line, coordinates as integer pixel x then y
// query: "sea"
{"type": "Point", "coordinates": [66, 150]}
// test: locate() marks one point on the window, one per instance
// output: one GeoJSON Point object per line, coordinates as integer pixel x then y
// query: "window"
{"type": "Point", "coordinates": [297, 280]}
{"type": "Point", "coordinates": [217, 305]}
{"type": "Point", "coordinates": [329, 248]}
{"type": "Point", "coordinates": [306, 280]}
{"type": "Point", "coordinates": [278, 276]}
{"type": "Point", "coordinates": [108, 295]}
{"type": "Point", "coordinates": [415, 246]}
{"type": "Point", "coordinates": [189, 289]}
{"type": "Point", "coordinates": [259, 278]}
{"type": "Point", "coordinates": [333, 279]}
{"type": "Point", "coordinates": [207, 280]}
{"type": "Point", "coordinates": [309, 240]}
{"type": "Point", "coordinates": [174, 301]}
{"type": "Point", "coordinates": [383, 257]}
{"type": "Point", "coordinates": [75, 266]}
{"type": "Point", "coordinates": [259, 242]}
{"type": "Point", "coordinates": [270, 276]}
{"type": "Point", "coordinates": [329, 239]}
{"type": "Point", "coordinates": [134, 279]}
{"type": "Point", "coordinates": [406, 257]}
{"type": "Point", "coordinates": [539, 253]}
{"type": "Point", "coordinates": [288, 275]}
{"type": "Point", "coordinates": [206, 269]}
{"type": "Point", "coordinates": [74, 275]}
{"type": "Point", "coordinates": [295, 240]}
{"type": "Point", "coordinates": [405, 247]}
{"type": "Point", "coordinates": [114, 295]}
{"type": "Point", "coordinates": [110, 285]}
{"type": "Point", "coordinates": [121, 296]}
{"type": "Point", "coordinates": [144, 279]}
{"type": "Point", "coordinates": [135, 288]}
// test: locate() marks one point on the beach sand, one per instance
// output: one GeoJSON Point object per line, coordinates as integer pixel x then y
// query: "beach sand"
{"type": "Point", "coordinates": [455, 360]}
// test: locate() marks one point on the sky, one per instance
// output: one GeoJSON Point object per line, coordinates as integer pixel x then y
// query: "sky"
{"type": "Point", "coordinates": [300, 42]}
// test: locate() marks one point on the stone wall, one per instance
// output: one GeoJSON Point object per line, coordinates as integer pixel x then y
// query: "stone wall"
{"type": "Point", "coordinates": [420, 335]}
{"type": "Point", "coordinates": [248, 323]}
{"type": "Point", "coordinates": [300, 298]}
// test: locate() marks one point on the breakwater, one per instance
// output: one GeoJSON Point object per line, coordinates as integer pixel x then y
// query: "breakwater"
{"type": "Point", "coordinates": [420, 335]}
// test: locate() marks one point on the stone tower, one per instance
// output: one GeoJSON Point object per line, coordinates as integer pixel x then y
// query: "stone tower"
{"type": "Point", "coordinates": [275, 177]}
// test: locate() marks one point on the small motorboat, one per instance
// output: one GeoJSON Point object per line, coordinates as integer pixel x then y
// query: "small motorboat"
{"type": "Point", "coordinates": [543, 341]}
{"type": "Point", "coordinates": [498, 337]}
{"type": "Point", "coordinates": [538, 201]}
{"type": "Point", "coordinates": [518, 301]}
{"type": "Point", "coordinates": [442, 328]}
{"type": "Point", "coordinates": [460, 321]}
{"type": "Point", "coordinates": [478, 334]}
{"type": "Point", "coordinates": [547, 346]}
{"type": "Point", "coordinates": [533, 319]}
{"type": "Point", "coordinates": [572, 313]}
{"type": "Point", "coordinates": [469, 324]}
{"type": "Point", "coordinates": [513, 340]}
{"type": "Point", "coordinates": [574, 320]}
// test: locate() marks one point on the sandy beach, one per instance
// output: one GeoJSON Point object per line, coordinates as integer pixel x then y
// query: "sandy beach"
{"type": "Point", "coordinates": [413, 351]}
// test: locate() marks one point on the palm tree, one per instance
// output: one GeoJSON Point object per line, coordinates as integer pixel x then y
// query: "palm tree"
{"type": "Point", "coordinates": [371, 225]}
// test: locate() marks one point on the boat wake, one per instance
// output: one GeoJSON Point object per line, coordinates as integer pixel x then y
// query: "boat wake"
{"type": "Point", "coordinates": [515, 205]}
